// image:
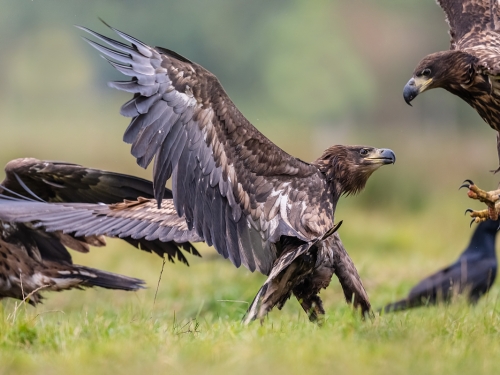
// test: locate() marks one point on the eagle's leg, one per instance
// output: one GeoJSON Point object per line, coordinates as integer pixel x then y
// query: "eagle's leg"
{"type": "Point", "coordinates": [313, 306]}
{"type": "Point", "coordinates": [490, 198]}
{"type": "Point", "coordinates": [275, 291]}
{"type": "Point", "coordinates": [307, 291]}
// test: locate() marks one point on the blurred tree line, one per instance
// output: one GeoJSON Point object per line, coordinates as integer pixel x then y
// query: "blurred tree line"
{"type": "Point", "coordinates": [307, 74]}
{"type": "Point", "coordinates": [315, 62]}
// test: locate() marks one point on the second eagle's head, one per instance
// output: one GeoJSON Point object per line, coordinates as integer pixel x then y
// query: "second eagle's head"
{"type": "Point", "coordinates": [447, 69]}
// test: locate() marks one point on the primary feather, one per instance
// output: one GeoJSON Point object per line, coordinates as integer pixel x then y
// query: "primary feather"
{"type": "Point", "coordinates": [239, 191]}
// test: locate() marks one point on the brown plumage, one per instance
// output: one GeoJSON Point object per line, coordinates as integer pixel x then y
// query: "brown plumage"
{"type": "Point", "coordinates": [91, 194]}
{"type": "Point", "coordinates": [35, 232]}
{"type": "Point", "coordinates": [470, 70]}
{"type": "Point", "coordinates": [256, 204]}
{"type": "Point", "coordinates": [33, 261]}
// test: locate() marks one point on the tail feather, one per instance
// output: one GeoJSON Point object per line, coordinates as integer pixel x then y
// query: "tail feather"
{"type": "Point", "coordinates": [254, 309]}
{"type": "Point", "coordinates": [93, 277]}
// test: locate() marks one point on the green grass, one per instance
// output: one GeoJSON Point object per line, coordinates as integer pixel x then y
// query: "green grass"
{"type": "Point", "coordinates": [194, 324]}
{"type": "Point", "coordinates": [131, 338]}
{"type": "Point", "coordinates": [405, 225]}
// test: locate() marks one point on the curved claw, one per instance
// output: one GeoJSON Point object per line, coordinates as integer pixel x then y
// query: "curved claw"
{"type": "Point", "coordinates": [468, 210]}
{"type": "Point", "coordinates": [467, 184]}
{"type": "Point", "coordinates": [472, 222]}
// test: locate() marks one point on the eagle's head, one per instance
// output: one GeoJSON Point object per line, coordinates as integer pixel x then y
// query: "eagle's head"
{"type": "Point", "coordinates": [349, 167]}
{"type": "Point", "coordinates": [447, 69]}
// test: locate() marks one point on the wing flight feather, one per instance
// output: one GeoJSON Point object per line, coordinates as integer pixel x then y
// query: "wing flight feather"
{"type": "Point", "coordinates": [225, 173]}
{"type": "Point", "coordinates": [468, 18]}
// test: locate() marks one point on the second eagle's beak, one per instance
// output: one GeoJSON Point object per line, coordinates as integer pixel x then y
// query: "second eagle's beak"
{"type": "Point", "coordinates": [415, 87]}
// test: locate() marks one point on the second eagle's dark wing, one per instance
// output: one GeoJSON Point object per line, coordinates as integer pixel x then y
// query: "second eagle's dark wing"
{"type": "Point", "coordinates": [66, 182]}
{"type": "Point", "coordinates": [233, 185]}
{"type": "Point", "coordinates": [75, 224]}
{"type": "Point", "coordinates": [468, 18]}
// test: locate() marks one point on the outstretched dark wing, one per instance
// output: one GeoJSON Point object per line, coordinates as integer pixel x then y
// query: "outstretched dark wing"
{"type": "Point", "coordinates": [234, 186]}
{"type": "Point", "coordinates": [65, 182]}
{"type": "Point", "coordinates": [468, 18]}
{"type": "Point", "coordinates": [140, 223]}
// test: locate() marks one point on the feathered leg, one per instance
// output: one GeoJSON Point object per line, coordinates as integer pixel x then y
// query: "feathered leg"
{"type": "Point", "coordinates": [313, 306]}
{"type": "Point", "coordinates": [274, 291]}
{"type": "Point", "coordinates": [350, 281]}
{"type": "Point", "coordinates": [295, 264]}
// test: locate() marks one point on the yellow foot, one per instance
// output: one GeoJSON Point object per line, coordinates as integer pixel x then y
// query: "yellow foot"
{"type": "Point", "coordinates": [490, 198]}
{"type": "Point", "coordinates": [478, 216]}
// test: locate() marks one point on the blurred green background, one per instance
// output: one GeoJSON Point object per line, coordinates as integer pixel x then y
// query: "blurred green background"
{"type": "Point", "coordinates": [307, 74]}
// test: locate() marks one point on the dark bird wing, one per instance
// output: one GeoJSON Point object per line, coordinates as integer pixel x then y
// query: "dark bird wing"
{"type": "Point", "coordinates": [32, 260]}
{"type": "Point", "coordinates": [65, 182]}
{"type": "Point", "coordinates": [53, 181]}
{"type": "Point", "coordinates": [140, 223]}
{"type": "Point", "coordinates": [473, 276]}
{"type": "Point", "coordinates": [233, 185]}
{"type": "Point", "coordinates": [469, 18]}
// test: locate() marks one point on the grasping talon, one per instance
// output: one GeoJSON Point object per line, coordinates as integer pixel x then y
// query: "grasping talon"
{"type": "Point", "coordinates": [490, 198]}
{"type": "Point", "coordinates": [467, 184]}
{"type": "Point", "coordinates": [478, 216]}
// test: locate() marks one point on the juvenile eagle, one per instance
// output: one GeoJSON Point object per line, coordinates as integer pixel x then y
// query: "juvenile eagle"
{"type": "Point", "coordinates": [473, 273]}
{"type": "Point", "coordinates": [34, 233]}
{"type": "Point", "coordinates": [470, 70]}
{"type": "Point", "coordinates": [256, 204]}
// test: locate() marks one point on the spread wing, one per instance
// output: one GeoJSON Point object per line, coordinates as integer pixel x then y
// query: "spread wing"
{"type": "Point", "coordinates": [65, 182]}
{"type": "Point", "coordinates": [468, 18]}
{"type": "Point", "coordinates": [233, 185]}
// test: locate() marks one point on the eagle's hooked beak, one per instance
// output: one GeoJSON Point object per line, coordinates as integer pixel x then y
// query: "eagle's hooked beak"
{"type": "Point", "coordinates": [382, 156]}
{"type": "Point", "coordinates": [414, 87]}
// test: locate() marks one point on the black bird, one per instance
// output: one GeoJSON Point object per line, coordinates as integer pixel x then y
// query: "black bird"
{"type": "Point", "coordinates": [255, 203]}
{"type": "Point", "coordinates": [473, 273]}
{"type": "Point", "coordinates": [39, 221]}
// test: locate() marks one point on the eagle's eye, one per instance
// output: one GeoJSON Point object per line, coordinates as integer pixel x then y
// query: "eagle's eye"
{"type": "Point", "coordinates": [426, 72]}
{"type": "Point", "coordinates": [364, 151]}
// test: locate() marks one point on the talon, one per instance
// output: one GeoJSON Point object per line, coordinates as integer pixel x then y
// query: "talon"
{"type": "Point", "coordinates": [472, 222]}
{"type": "Point", "coordinates": [468, 210]}
{"type": "Point", "coordinates": [467, 184]}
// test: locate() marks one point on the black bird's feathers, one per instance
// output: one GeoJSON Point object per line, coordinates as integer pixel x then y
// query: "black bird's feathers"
{"type": "Point", "coordinates": [473, 273]}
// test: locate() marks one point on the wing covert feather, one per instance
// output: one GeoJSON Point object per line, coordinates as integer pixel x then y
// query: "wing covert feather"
{"type": "Point", "coordinates": [139, 222]}
{"type": "Point", "coordinates": [183, 118]}
{"type": "Point", "coordinates": [65, 182]}
{"type": "Point", "coordinates": [469, 16]}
